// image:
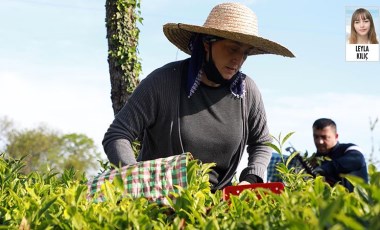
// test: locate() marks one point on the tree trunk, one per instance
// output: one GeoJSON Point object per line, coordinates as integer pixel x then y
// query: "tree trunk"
{"type": "Point", "coordinates": [122, 36]}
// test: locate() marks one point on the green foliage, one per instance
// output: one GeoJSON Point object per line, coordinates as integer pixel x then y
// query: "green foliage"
{"type": "Point", "coordinates": [45, 149]}
{"type": "Point", "coordinates": [279, 142]}
{"type": "Point", "coordinates": [79, 152]}
{"type": "Point", "coordinates": [52, 201]}
{"type": "Point", "coordinates": [38, 145]}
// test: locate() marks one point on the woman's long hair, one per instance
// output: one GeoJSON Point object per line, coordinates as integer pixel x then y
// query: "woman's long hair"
{"type": "Point", "coordinates": [363, 14]}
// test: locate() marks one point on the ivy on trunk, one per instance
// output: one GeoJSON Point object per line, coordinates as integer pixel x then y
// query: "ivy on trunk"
{"type": "Point", "coordinates": [122, 17]}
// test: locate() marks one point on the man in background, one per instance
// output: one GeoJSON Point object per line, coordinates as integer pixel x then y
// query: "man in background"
{"type": "Point", "coordinates": [339, 158]}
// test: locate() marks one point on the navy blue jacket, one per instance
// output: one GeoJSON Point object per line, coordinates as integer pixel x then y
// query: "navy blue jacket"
{"type": "Point", "coordinates": [345, 159]}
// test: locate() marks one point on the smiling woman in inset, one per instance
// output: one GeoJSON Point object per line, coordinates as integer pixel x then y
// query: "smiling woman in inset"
{"type": "Point", "coordinates": [362, 28]}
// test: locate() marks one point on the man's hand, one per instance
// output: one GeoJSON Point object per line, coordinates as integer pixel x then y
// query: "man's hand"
{"type": "Point", "coordinates": [319, 171]}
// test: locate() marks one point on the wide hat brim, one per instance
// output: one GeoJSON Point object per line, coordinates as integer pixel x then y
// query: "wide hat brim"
{"type": "Point", "coordinates": [179, 34]}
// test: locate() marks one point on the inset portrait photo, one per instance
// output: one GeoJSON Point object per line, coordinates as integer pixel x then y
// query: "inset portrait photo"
{"type": "Point", "coordinates": [362, 40]}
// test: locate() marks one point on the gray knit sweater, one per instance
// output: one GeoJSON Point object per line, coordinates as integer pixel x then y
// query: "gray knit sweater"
{"type": "Point", "coordinates": [153, 109]}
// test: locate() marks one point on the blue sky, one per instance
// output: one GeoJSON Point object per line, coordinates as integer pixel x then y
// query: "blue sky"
{"type": "Point", "coordinates": [54, 70]}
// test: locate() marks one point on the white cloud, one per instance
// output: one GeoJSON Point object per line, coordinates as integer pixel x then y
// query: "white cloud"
{"type": "Point", "coordinates": [65, 105]}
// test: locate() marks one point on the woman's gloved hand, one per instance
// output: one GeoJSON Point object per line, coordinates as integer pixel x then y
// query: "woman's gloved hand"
{"type": "Point", "coordinates": [251, 179]}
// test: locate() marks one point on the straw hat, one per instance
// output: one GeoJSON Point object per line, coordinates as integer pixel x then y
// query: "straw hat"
{"type": "Point", "coordinates": [232, 21]}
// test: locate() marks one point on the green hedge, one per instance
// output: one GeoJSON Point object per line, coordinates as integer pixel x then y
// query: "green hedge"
{"type": "Point", "coordinates": [58, 201]}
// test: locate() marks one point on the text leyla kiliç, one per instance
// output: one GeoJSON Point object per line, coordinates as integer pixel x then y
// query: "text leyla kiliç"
{"type": "Point", "coordinates": [362, 52]}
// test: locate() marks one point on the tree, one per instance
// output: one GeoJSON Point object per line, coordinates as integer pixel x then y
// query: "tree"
{"type": "Point", "coordinates": [5, 126]}
{"type": "Point", "coordinates": [46, 149]}
{"type": "Point", "coordinates": [122, 35]}
{"type": "Point", "coordinates": [39, 146]}
{"type": "Point", "coordinates": [372, 158]}
{"type": "Point", "coordinates": [79, 152]}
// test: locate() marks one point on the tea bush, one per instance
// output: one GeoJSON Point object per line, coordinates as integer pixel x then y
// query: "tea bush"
{"type": "Point", "coordinates": [58, 201]}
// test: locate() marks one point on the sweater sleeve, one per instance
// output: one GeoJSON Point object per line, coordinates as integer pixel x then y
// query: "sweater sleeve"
{"type": "Point", "coordinates": [259, 153]}
{"type": "Point", "coordinates": [120, 152]}
{"type": "Point", "coordinates": [137, 114]}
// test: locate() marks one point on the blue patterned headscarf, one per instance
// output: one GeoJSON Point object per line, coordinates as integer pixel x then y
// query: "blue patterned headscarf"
{"type": "Point", "coordinates": [237, 87]}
